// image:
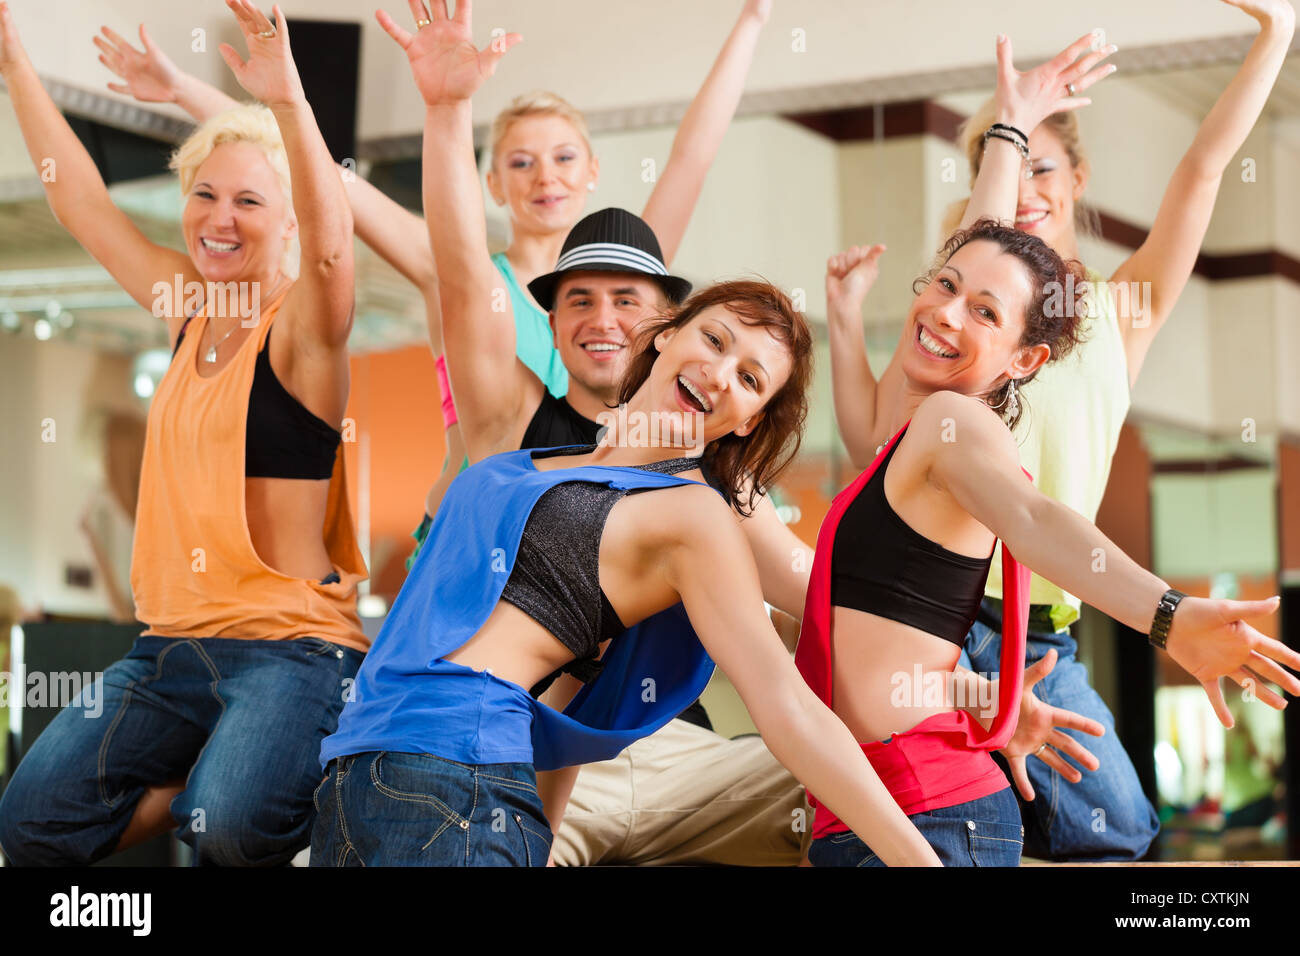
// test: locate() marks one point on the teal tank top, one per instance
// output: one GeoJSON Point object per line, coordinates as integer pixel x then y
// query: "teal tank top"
{"type": "Point", "coordinates": [534, 343]}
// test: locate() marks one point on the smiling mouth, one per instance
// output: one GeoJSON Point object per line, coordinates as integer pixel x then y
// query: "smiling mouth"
{"type": "Point", "coordinates": [212, 245]}
{"type": "Point", "coordinates": [602, 349]}
{"type": "Point", "coordinates": [933, 345]}
{"type": "Point", "coordinates": [1030, 218]}
{"type": "Point", "coordinates": [549, 200]}
{"type": "Point", "coordinates": [692, 396]}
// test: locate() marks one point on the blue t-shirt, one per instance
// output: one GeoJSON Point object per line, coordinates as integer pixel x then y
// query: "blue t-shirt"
{"type": "Point", "coordinates": [408, 699]}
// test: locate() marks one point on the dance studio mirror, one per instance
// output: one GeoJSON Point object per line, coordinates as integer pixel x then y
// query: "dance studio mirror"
{"type": "Point", "coordinates": [1197, 492]}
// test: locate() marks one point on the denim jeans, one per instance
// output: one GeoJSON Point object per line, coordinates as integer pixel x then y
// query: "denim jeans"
{"type": "Point", "coordinates": [1105, 816]}
{"type": "Point", "coordinates": [241, 720]}
{"type": "Point", "coordinates": [983, 832]}
{"type": "Point", "coordinates": [382, 808]}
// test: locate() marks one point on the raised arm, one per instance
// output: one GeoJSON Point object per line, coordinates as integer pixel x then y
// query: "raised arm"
{"type": "Point", "coordinates": [75, 190]}
{"type": "Point", "coordinates": [1024, 100]}
{"type": "Point", "coordinates": [490, 384]}
{"type": "Point", "coordinates": [849, 277]}
{"type": "Point", "coordinates": [668, 211]}
{"type": "Point", "coordinates": [784, 562]}
{"type": "Point", "coordinates": [321, 303]}
{"type": "Point", "coordinates": [1209, 639]}
{"type": "Point", "coordinates": [1167, 255]}
{"type": "Point", "coordinates": [704, 558]}
{"type": "Point", "coordinates": [396, 234]}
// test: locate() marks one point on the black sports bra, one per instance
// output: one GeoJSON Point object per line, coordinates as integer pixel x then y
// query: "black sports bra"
{"type": "Point", "coordinates": [282, 439]}
{"type": "Point", "coordinates": [880, 565]}
{"type": "Point", "coordinates": [556, 575]}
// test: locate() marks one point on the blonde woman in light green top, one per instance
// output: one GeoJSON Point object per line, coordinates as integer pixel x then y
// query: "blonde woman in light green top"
{"type": "Point", "coordinates": [1075, 408]}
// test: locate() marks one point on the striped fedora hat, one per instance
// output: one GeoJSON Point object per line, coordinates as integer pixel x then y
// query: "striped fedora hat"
{"type": "Point", "coordinates": [611, 240]}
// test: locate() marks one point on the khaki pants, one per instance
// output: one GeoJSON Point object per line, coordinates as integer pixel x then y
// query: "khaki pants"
{"type": "Point", "coordinates": [686, 795]}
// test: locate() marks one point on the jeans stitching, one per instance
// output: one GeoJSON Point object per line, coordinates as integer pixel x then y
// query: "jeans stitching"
{"type": "Point", "coordinates": [342, 853]}
{"type": "Point", "coordinates": [449, 816]}
{"type": "Point", "coordinates": [521, 785]}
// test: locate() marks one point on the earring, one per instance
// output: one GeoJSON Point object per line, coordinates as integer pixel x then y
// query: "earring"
{"type": "Point", "coordinates": [591, 186]}
{"type": "Point", "coordinates": [1010, 401]}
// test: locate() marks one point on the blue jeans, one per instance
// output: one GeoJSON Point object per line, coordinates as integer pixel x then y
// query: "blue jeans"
{"type": "Point", "coordinates": [398, 809]}
{"type": "Point", "coordinates": [243, 719]}
{"type": "Point", "coordinates": [983, 832]}
{"type": "Point", "coordinates": [1105, 816]}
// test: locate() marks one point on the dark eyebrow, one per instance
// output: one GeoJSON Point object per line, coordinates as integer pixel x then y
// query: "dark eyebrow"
{"type": "Point", "coordinates": [982, 291]}
{"type": "Point", "coordinates": [732, 336]}
{"type": "Point", "coordinates": [575, 290]}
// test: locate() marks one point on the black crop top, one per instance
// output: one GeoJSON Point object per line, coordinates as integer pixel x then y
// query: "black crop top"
{"type": "Point", "coordinates": [282, 439]}
{"type": "Point", "coordinates": [880, 565]}
{"type": "Point", "coordinates": [556, 577]}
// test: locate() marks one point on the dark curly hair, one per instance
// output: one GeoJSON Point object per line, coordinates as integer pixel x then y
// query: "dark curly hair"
{"type": "Point", "coordinates": [765, 452]}
{"type": "Point", "coordinates": [1058, 301]}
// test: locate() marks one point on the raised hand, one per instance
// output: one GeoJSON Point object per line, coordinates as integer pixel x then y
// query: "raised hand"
{"type": "Point", "coordinates": [150, 76]}
{"type": "Point", "coordinates": [447, 66]}
{"type": "Point", "coordinates": [1211, 639]}
{"type": "Point", "coordinates": [11, 47]}
{"type": "Point", "coordinates": [1038, 733]}
{"type": "Point", "coordinates": [269, 75]}
{"type": "Point", "coordinates": [849, 277]}
{"type": "Point", "coordinates": [1025, 99]}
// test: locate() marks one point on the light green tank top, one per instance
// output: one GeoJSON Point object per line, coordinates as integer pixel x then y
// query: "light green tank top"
{"type": "Point", "coordinates": [534, 343]}
{"type": "Point", "coordinates": [1069, 431]}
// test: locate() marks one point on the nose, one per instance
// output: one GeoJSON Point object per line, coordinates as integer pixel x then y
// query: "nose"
{"type": "Point", "coordinates": [606, 317]}
{"type": "Point", "coordinates": [949, 313]}
{"type": "Point", "coordinates": [223, 214]}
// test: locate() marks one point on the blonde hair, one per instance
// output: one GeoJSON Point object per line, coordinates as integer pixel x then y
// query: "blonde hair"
{"type": "Point", "coordinates": [536, 103]}
{"type": "Point", "coordinates": [247, 123]}
{"type": "Point", "coordinates": [1064, 126]}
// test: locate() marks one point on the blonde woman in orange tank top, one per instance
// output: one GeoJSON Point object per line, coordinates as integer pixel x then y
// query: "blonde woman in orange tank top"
{"type": "Point", "coordinates": [245, 562]}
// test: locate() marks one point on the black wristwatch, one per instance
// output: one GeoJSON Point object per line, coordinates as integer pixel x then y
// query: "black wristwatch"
{"type": "Point", "coordinates": [1164, 618]}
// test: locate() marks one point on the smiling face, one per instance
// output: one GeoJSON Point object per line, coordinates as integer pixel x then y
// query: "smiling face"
{"type": "Point", "coordinates": [541, 171]}
{"type": "Point", "coordinates": [594, 320]}
{"type": "Point", "coordinates": [720, 368]}
{"type": "Point", "coordinates": [1046, 204]}
{"type": "Point", "coordinates": [236, 221]}
{"type": "Point", "coordinates": [963, 331]}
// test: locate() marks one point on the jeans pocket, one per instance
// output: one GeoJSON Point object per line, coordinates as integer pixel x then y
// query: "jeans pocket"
{"type": "Point", "coordinates": [842, 849]}
{"type": "Point", "coordinates": [424, 811]}
{"type": "Point", "coordinates": [317, 646]}
{"type": "Point", "coordinates": [994, 844]}
{"type": "Point", "coordinates": [537, 846]}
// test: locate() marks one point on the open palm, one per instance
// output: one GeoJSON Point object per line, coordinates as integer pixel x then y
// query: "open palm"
{"type": "Point", "coordinates": [150, 77]}
{"type": "Point", "coordinates": [447, 66]}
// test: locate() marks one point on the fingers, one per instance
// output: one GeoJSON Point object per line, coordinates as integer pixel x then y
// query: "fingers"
{"type": "Point", "coordinates": [119, 87]}
{"type": "Point", "coordinates": [1276, 650]}
{"type": "Point", "coordinates": [1055, 761]}
{"type": "Point", "coordinates": [241, 17]}
{"type": "Point", "coordinates": [280, 26]}
{"type": "Point", "coordinates": [1270, 671]}
{"type": "Point", "coordinates": [147, 40]}
{"type": "Point", "coordinates": [1006, 71]}
{"type": "Point", "coordinates": [1073, 749]}
{"type": "Point", "coordinates": [1072, 721]}
{"type": "Point", "coordinates": [1214, 691]}
{"type": "Point", "coordinates": [116, 40]}
{"type": "Point", "coordinates": [498, 47]}
{"type": "Point", "coordinates": [1071, 53]}
{"type": "Point", "coordinates": [1021, 777]}
{"type": "Point", "coordinates": [393, 30]}
{"type": "Point", "coordinates": [233, 59]}
{"type": "Point", "coordinates": [1039, 669]}
{"type": "Point", "coordinates": [463, 11]}
{"type": "Point", "coordinates": [1257, 687]}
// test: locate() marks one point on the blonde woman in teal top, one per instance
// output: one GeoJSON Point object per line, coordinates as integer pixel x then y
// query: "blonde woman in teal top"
{"type": "Point", "coordinates": [1075, 410]}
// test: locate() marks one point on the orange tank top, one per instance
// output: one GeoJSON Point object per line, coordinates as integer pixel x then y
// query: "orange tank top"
{"type": "Point", "coordinates": [194, 570]}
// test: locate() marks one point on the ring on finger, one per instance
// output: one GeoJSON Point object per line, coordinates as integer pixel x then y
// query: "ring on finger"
{"type": "Point", "coordinates": [267, 34]}
{"type": "Point", "coordinates": [422, 23]}
{"type": "Point", "coordinates": [1070, 88]}
{"type": "Point", "coordinates": [1039, 751]}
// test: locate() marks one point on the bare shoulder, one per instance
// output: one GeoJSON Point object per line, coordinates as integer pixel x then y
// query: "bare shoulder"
{"type": "Point", "coordinates": [951, 427]}
{"type": "Point", "coordinates": [691, 515]}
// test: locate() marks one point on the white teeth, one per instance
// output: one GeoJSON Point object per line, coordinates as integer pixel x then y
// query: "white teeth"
{"type": "Point", "coordinates": [933, 347]}
{"type": "Point", "coordinates": [1031, 217]}
{"type": "Point", "coordinates": [220, 246]}
{"type": "Point", "coordinates": [699, 396]}
{"type": "Point", "coordinates": [601, 347]}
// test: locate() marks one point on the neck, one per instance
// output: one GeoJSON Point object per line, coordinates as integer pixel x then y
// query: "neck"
{"type": "Point", "coordinates": [1067, 246]}
{"type": "Point", "coordinates": [638, 434]}
{"type": "Point", "coordinates": [590, 403]}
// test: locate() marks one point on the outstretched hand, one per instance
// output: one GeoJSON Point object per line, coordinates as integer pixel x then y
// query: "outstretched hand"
{"type": "Point", "coordinates": [150, 76]}
{"type": "Point", "coordinates": [1039, 733]}
{"type": "Point", "coordinates": [849, 277]}
{"type": "Point", "coordinates": [1211, 640]}
{"type": "Point", "coordinates": [269, 74]}
{"type": "Point", "coordinates": [1025, 99]}
{"type": "Point", "coordinates": [447, 66]}
{"type": "Point", "coordinates": [11, 47]}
